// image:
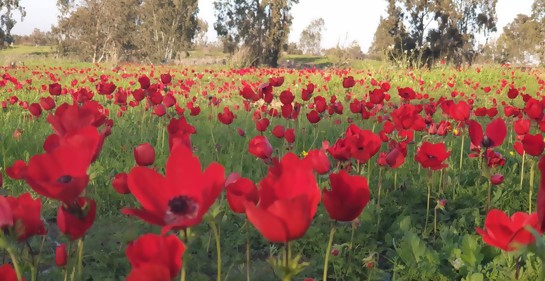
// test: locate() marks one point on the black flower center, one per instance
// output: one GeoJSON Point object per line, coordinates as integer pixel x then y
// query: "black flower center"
{"type": "Point", "coordinates": [431, 157]}
{"type": "Point", "coordinates": [183, 205]}
{"type": "Point", "coordinates": [64, 179]}
{"type": "Point", "coordinates": [487, 142]}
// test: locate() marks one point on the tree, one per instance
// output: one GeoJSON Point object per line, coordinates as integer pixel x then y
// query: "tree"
{"type": "Point", "coordinates": [538, 15]}
{"type": "Point", "coordinates": [97, 30]}
{"type": "Point", "coordinates": [200, 37]}
{"type": "Point", "coordinates": [167, 27]}
{"type": "Point", "coordinates": [310, 40]}
{"type": "Point", "coordinates": [260, 25]}
{"type": "Point", "coordinates": [7, 20]}
{"type": "Point", "coordinates": [431, 29]}
{"type": "Point", "coordinates": [521, 40]}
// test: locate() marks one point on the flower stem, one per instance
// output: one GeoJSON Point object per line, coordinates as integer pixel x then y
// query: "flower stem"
{"type": "Point", "coordinates": [15, 263]}
{"type": "Point", "coordinates": [531, 186]}
{"type": "Point", "coordinates": [185, 239]}
{"type": "Point", "coordinates": [247, 251]}
{"type": "Point", "coordinates": [522, 170]}
{"type": "Point", "coordinates": [435, 221]}
{"type": "Point", "coordinates": [328, 250]}
{"type": "Point", "coordinates": [430, 178]}
{"type": "Point", "coordinates": [379, 187]}
{"type": "Point", "coordinates": [218, 247]}
{"type": "Point", "coordinates": [488, 195]}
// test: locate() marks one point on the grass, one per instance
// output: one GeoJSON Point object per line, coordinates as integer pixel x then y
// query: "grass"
{"type": "Point", "coordinates": [392, 237]}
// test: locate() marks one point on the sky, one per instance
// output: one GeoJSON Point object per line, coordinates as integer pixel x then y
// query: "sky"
{"type": "Point", "coordinates": [345, 20]}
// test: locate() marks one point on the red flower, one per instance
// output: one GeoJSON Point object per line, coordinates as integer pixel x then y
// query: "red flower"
{"type": "Point", "coordinates": [179, 132]}
{"type": "Point", "coordinates": [432, 155]}
{"type": "Point", "coordinates": [47, 103]}
{"type": "Point", "coordinates": [289, 135]}
{"type": "Point", "coordinates": [61, 257]}
{"type": "Point", "coordinates": [318, 161]}
{"type": "Point", "coordinates": [363, 144]}
{"type": "Point", "coordinates": [278, 131]}
{"type": "Point", "coordinates": [75, 219]}
{"type": "Point", "coordinates": [120, 183]}
{"type": "Point", "coordinates": [522, 126]}
{"type": "Point", "coordinates": [226, 117]}
{"type": "Point", "coordinates": [149, 272]}
{"type": "Point", "coordinates": [71, 118]}
{"type": "Point", "coordinates": [506, 232]}
{"type": "Point", "coordinates": [144, 82]}
{"type": "Point", "coordinates": [288, 199]}
{"type": "Point", "coordinates": [17, 171]}
{"type": "Point", "coordinates": [534, 109]}
{"type": "Point", "coordinates": [152, 249]}
{"type": "Point", "coordinates": [495, 133]}
{"type": "Point", "coordinates": [239, 192]}
{"type": "Point", "coordinates": [260, 147]}
{"type": "Point", "coordinates": [166, 78]}
{"type": "Point", "coordinates": [406, 93]}
{"type": "Point", "coordinates": [35, 109]}
{"type": "Point", "coordinates": [347, 197]}
{"type": "Point", "coordinates": [348, 82]}
{"type": "Point", "coordinates": [407, 117]}
{"type": "Point", "coordinates": [6, 215]}
{"type": "Point", "coordinates": [26, 216]}
{"type": "Point", "coordinates": [182, 197]}
{"type": "Point", "coordinates": [7, 273]}
{"type": "Point", "coordinates": [262, 124]}
{"type": "Point", "coordinates": [460, 111]}
{"type": "Point", "coordinates": [313, 117]}
{"type": "Point", "coordinates": [496, 179]}
{"type": "Point", "coordinates": [60, 174]}
{"type": "Point", "coordinates": [55, 89]}
{"type": "Point", "coordinates": [540, 195]}
{"type": "Point", "coordinates": [144, 154]}
{"type": "Point", "coordinates": [533, 144]}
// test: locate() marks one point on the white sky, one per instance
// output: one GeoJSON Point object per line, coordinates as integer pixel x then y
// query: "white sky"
{"type": "Point", "coordinates": [345, 20]}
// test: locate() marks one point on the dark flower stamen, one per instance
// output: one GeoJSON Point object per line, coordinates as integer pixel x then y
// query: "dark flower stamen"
{"type": "Point", "coordinates": [65, 179]}
{"type": "Point", "coordinates": [183, 206]}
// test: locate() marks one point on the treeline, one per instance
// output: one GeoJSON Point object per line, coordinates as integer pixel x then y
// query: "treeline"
{"type": "Point", "coordinates": [428, 32]}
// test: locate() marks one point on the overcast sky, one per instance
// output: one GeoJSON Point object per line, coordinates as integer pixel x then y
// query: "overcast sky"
{"type": "Point", "coordinates": [345, 20]}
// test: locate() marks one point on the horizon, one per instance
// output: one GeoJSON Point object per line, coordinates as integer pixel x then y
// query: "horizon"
{"type": "Point", "coordinates": [342, 25]}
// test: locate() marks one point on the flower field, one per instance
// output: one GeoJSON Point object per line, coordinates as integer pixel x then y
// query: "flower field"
{"type": "Point", "coordinates": [169, 173]}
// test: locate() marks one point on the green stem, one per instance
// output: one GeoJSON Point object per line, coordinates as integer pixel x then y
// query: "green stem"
{"type": "Point", "coordinates": [247, 251]}
{"type": "Point", "coordinates": [185, 239]}
{"type": "Point", "coordinates": [488, 195]}
{"type": "Point", "coordinates": [218, 247]}
{"type": "Point", "coordinates": [522, 170]}
{"type": "Point", "coordinates": [78, 266]}
{"type": "Point", "coordinates": [531, 188]}
{"type": "Point", "coordinates": [430, 174]}
{"type": "Point", "coordinates": [15, 263]}
{"type": "Point", "coordinates": [461, 157]}
{"type": "Point", "coordinates": [328, 250]}
{"type": "Point", "coordinates": [68, 250]}
{"type": "Point", "coordinates": [379, 187]}
{"type": "Point", "coordinates": [434, 221]}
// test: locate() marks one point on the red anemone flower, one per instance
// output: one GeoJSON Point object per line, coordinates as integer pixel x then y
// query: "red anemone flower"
{"type": "Point", "coordinates": [75, 219]}
{"type": "Point", "coordinates": [347, 198]}
{"type": "Point", "coordinates": [495, 133]}
{"type": "Point", "coordinates": [240, 191]}
{"type": "Point", "coordinates": [288, 199]}
{"type": "Point", "coordinates": [26, 216]}
{"type": "Point", "coordinates": [431, 155]}
{"type": "Point", "coordinates": [505, 232]}
{"type": "Point", "coordinates": [166, 251]}
{"type": "Point", "coordinates": [182, 197]}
